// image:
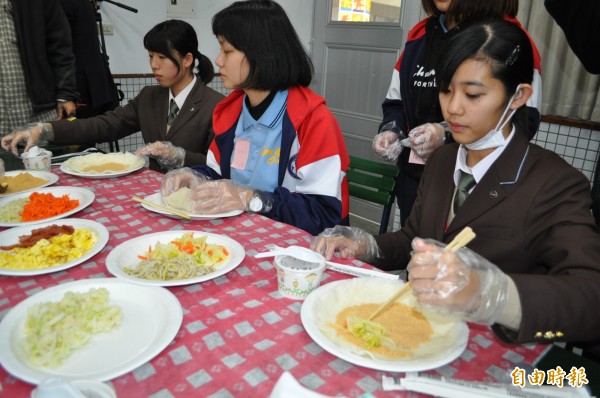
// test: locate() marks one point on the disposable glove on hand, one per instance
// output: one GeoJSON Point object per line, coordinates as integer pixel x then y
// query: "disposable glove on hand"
{"type": "Point", "coordinates": [387, 145]}
{"type": "Point", "coordinates": [462, 285]}
{"type": "Point", "coordinates": [346, 242]}
{"type": "Point", "coordinates": [179, 178]}
{"type": "Point", "coordinates": [29, 134]}
{"type": "Point", "coordinates": [167, 155]}
{"type": "Point", "coordinates": [220, 196]}
{"type": "Point", "coordinates": [424, 139]}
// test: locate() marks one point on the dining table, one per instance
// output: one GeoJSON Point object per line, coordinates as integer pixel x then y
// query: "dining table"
{"type": "Point", "coordinates": [239, 333]}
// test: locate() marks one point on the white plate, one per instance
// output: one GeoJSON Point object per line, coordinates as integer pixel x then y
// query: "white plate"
{"type": "Point", "coordinates": [50, 178]}
{"type": "Point", "coordinates": [11, 236]}
{"type": "Point", "coordinates": [157, 199]}
{"type": "Point", "coordinates": [64, 167]}
{"type": "Point", "coordinates": [317, 329]}
{"type": "Point", "coordinates": [126, 255]}
{"type": "Point", "coordinates": [85, 197]}
{"type": "Point", "coordinates": [152, 317]}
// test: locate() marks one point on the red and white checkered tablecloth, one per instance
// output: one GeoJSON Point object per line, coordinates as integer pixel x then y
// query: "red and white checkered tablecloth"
{"type": "Point", "coordinates": [238, 333]}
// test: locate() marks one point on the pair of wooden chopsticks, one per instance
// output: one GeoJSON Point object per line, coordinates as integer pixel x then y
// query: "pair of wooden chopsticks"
{"type": "Point", "coordinates": [462, 239]}
{"type": "Point", "coordinates": [163, 208]}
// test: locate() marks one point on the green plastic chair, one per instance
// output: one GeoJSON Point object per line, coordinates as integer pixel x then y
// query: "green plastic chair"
{"type": "Point", "coordinates": [374, 182]}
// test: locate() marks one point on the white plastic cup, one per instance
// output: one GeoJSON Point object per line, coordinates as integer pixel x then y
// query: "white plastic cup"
{"type": "Point", "coordinates": [297, 277]}
{"type": "Point", "coordinates": [40, 162]}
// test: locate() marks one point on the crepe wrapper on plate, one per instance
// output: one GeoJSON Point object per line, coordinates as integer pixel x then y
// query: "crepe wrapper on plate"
{"type": "Point", "coordinates": [104, 163]}
{"type": "Point", "coordinates": [180, 200]}
{"type": "Point", "coordinates": [376, 290]}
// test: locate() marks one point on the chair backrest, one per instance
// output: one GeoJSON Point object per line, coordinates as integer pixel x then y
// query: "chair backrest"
{"type": "Point", "coordinates": [374, 182]}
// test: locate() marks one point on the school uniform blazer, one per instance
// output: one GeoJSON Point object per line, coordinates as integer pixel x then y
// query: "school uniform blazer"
{"type": "Point", "coordinates": [147, 112]}
{"type": "Point", "coordinates": [531, 215]}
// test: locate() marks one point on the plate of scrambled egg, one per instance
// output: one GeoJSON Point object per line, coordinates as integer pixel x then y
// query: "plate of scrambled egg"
{"type": "Point", "coordinates": [411, 340]}
{"type": "Point", "coordinates": [102, 165]}
{"type": "Point", "coordinates": [50, 247]}
{"type": "Point", "coordinates": [150, 318]}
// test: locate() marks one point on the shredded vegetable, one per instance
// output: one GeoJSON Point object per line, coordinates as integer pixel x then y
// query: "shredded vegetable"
{"type": "Point", "coordinates": [45, 205]}
{"type": "Point", "coordinates": [183, 258]}
{"type": "Point", "coordinates": [54, 329]}
{"type": "Point", "coordinates": [370, 332]}
{"type": "Point", "coordinates": [11, 211]}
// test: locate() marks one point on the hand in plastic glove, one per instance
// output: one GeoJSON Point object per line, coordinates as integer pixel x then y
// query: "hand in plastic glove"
{"type": "Point", "coordinates": [167, 155]}
{"type": "Point", "coordinates": [462, 284]}
{"type": "Point", "coordinates": [387, 145]}
{"type": "Point", "coordinates": [424, 139]}
{"type": "Point", "coordinates": [184, 177]}
{"type": "Point", "coordinates": [346, 242]}
{"type": "Point", "coordinates": [65, 109]}
{"type": "Point", "coordinates": [220, 196]}
{"type": "Point", "coordinates": [29, 134]}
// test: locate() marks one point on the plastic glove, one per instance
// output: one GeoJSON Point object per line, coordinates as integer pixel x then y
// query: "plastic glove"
{"type": "Point", "coordinates": [462, 284]}
{"type": "Point", "coordinates": [220, 196]}
{"type": "Point", "coordinates": [346, 242]}
{"type": "Point", "coordinates": [167, 155]}
{"type": "Point", "coordinates": [387, 145]}
{"type": "Point", "coordinates": [179, 178]}
{"type": "Point", "coordinates": [29, 134]}
{"type": "Point", "coordinates": [425, 138]}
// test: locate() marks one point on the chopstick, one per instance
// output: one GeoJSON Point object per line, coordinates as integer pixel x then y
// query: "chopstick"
{"type": "Point", "coordinates": [163, 208]}
{"type": "Point", "coordinates": [395, 297]}
{"type": "Point", "coordinates": [462, 239]}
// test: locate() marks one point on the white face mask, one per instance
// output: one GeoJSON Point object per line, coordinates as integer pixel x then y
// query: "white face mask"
{"type": "Point", "coordinates": [495, 138]}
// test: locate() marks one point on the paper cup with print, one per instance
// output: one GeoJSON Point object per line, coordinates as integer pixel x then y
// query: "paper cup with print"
{"type": "Point", "coordinates": [37, 159]}
{"type": "Point", "coordinates": [298, 276]}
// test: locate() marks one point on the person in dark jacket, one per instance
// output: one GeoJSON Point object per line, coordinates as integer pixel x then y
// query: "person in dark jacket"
{"type": "Point", "coordinates": [580, 21]}
{"type": "Point", "coordinates": [175, 117]}
{"type": "Point", "coordinates": [38, 66]}
{"type": "Point", "coordinates": [97, 90]}
{"type": "Point", "coordinates": [411, 112]}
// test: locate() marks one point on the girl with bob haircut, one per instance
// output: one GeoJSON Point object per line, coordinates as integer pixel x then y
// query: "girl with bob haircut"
{"type": "Point", "coordinates": [171, 142]}
{"type": "Point", "coordinates": [278, 150]}
{"type": "Point", "coordinates": [532, 270]}
{"type": "Point", "coordinates": [411, 127]}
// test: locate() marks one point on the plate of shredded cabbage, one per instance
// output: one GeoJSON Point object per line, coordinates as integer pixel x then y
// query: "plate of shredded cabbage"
{"type": "Point", "coordinates": [148, 320]}
{"type": "Point", "coordinates": [45, 204]}
{"type": "Point", "coordinates": [174, 258]}
{"type": "Point", "coordinates": [50, 247]}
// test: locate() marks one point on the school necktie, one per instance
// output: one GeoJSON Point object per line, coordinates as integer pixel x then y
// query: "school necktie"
{"type": "Point", "coordinates": [173, 109]}
{"type": "Point", "coordinates": [465, 184]}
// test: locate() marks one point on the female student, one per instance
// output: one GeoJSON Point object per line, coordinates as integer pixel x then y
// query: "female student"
{"type": "Point", "coordinates": [411, 107]}
{"type": "Point", "coordinates": [532, 270]}
{"type": "Point", "coordinates": [175, 117]}
{"type": "Point", "coordinates": [278, 150]}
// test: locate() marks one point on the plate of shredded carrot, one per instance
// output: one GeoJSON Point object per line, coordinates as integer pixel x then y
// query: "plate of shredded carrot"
{"type": "Point", "coordinates": [46, 204]}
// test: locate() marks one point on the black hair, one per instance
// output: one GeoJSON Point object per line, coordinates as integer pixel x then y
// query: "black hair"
{"type": "Point", "coordinates": [173, 36]}
{"type": "Point", "coordinates": [468, 11]}
{"type": "Point", "coordinates": [263, 32]}
{"type": "Point", "coordinates": [502, 45]}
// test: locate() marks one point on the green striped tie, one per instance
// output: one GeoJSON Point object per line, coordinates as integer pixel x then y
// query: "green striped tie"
{"type": "Point", "coordinates": [173, 110]}
{"type": "Point", "coordinates": [465, 184]}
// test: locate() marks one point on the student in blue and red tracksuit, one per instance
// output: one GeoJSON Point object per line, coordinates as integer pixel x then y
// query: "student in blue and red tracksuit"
{"type": "Point", "coordinates": [277, 150]}
{"type": "Point", "coordinates": [411, 109]}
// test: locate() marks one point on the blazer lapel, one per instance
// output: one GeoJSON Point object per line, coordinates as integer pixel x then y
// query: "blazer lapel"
{"type": "Point", "coordinates": [498, 182]}
{"type": "Point", "coordinates": [189, 108]}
